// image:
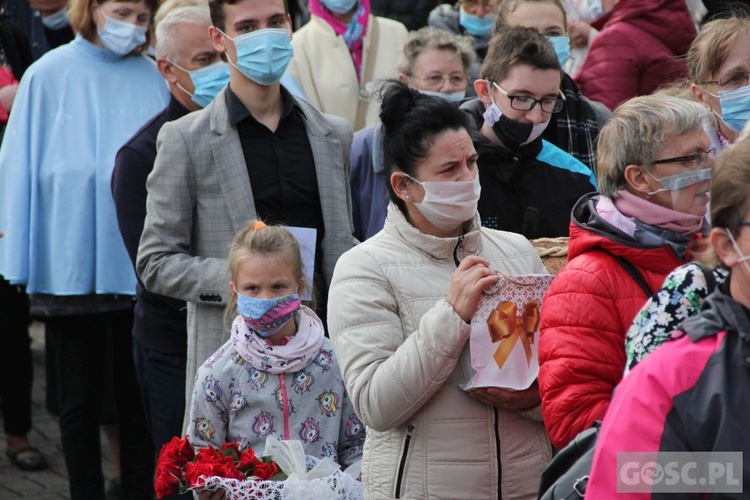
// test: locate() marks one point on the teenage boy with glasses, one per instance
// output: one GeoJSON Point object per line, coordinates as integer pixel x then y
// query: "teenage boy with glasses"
{"type": "Point", "coordinates": [528, 185]}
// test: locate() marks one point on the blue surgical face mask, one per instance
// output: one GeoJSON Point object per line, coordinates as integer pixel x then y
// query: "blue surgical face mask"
{"type": "Point", "coordinates": [263, 55]}
{"type": "Point", "coordinates": [447, 96]}
{"type": "Point", "coordinates": [267, 316]}
{"type": "Point", "coordinates": [339, 6]}
{"type": "Point", "coordinates": [121, 37]}
{"type": "Point", "coordinates": [735, 107]}
{"type": "Point", "coordinates": [207, 81]}
{"type": "Point", "coordinates": [561, 45]}
{"type": "Point", "coordinates": [475, 25]}
{"type": "Point", "coordinates": [56, 21]}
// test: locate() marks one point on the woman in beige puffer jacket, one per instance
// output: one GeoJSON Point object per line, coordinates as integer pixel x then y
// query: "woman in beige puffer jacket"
{"type": "Point", "coordinates": [398, 313]}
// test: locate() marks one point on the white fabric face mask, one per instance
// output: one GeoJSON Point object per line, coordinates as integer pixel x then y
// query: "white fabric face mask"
{"type": "Point", "coordinates": [448, 204]}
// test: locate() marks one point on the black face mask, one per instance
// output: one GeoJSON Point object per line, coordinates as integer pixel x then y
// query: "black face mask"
{"type": "Point", "coordinates": [512, 133]}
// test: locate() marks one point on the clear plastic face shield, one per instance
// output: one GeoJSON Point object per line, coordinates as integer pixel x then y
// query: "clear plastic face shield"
{"type": "Point", "coordinates": [676, 184]}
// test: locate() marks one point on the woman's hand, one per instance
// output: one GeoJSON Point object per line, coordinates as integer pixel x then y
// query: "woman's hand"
{"type": "Point", "coordinates": [471, 278]}
{"type": "Point", "coordinates": [212, 495]}
{"type": "Point", "coordinates": [509, 400]}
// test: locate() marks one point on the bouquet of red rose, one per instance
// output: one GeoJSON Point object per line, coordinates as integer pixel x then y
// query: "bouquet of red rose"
{"type": "Point", "coordinates": [180, 468]}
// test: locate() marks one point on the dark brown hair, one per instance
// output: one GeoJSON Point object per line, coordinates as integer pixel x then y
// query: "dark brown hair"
{"type": "Point", "coordinates": [218, 16]}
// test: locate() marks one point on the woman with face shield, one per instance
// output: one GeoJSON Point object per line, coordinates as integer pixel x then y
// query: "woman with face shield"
{"type": "Point", "coordinates": [689, 395]}
{"type": "Point", "coordinates": [400, 305]}
{"type": "Point", "coordinates": [654, 171]}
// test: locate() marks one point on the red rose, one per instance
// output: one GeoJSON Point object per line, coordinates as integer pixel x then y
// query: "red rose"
{"type": "Point", "coordinates": [194, 470]}
{"type": "Point", "coordinates": [177, 451]}
{"type": "Point", "coordinates": [230, 450]}
{"type": "Point", "coordinates": [228, 469]}
{"type": "Point", "coordinates": [247, 461]}
{"type": "Point", "coordinates": [167, 482]}
{"type": "Point", "coordinates": [207, 455]}
{"type": "Point", "coordinates": [265, 470]}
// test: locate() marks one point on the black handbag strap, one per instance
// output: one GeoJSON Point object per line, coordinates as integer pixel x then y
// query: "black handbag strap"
{"type": "Point", "coordinates": [634, 273]}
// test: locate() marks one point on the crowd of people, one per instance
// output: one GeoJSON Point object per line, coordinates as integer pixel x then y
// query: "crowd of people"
{"type": "Point", "coordinates": [242, 219]}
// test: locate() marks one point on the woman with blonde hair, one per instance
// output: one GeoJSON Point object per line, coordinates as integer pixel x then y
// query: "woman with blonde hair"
{"type": "Point", "coordinates": [718, 65]}
{"type": "Point", "coordinates": [75, 107]}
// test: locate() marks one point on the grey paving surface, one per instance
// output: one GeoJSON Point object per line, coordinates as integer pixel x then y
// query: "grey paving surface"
{"type": "Point", "coordinates": [45, 435]}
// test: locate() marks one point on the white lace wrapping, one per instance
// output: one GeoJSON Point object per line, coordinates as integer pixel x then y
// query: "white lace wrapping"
{"type": "Point", "coordinates": [309, 478]}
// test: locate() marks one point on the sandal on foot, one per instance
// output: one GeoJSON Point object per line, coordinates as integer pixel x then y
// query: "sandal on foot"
{"type": "Point", "coordinates": [33, 460]}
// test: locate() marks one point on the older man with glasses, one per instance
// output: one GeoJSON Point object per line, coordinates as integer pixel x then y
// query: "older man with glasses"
{"type": "Point", "coordinates": [529, 185]}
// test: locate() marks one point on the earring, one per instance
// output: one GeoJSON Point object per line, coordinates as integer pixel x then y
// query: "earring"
{"type": "Point", "coordinates": [408, 197]}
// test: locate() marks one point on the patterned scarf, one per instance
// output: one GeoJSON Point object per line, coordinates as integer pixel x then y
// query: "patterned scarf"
{"type": "Point", "coordinates": [291, 357]}
{"type": "Point", "coordinates": [353, 34]}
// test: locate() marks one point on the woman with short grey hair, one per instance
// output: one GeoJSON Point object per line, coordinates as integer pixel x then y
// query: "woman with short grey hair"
{"type": "Point", "coordinates": [637, 131]}
{"type": "Point", "coordinates": [654, 173]}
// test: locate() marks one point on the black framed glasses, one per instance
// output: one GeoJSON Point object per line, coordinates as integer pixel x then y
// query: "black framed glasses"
{"type": "Point", "coordinates": [527, 103]}
{"type": "Point", "coordinates": [731, 81]}
{"type": "Point", "coordinates": [695, 160]}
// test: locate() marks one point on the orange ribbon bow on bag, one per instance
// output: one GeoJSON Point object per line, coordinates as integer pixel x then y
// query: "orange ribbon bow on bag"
{"type": "Point", "coordinates": [507, 327]}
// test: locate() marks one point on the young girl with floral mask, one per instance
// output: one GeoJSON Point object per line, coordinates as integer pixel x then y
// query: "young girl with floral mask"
{"type": "Point", "coordinates": [277, 374]}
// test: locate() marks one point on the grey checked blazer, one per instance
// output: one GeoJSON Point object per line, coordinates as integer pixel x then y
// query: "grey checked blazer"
{"type": "Point", "coordinates": [199, 197]}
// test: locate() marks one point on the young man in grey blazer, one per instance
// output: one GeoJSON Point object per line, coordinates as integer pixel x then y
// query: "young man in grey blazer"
{"type": "Point", "coordinates": [254, 152]}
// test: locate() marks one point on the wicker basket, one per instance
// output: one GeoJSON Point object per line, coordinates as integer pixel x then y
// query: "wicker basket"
{"type": "Point", "coordinates": [553, 251]}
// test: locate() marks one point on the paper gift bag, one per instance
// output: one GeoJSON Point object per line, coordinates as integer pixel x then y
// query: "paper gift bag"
{"type": "Point", "coordinates": [504, 341]}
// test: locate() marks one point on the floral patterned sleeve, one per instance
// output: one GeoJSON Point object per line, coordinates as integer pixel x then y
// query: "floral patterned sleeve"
{"type": "Point", "coordinates": [679, 298]}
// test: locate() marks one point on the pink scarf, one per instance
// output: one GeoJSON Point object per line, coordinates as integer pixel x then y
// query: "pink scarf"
{"type": "Point", "coordinates": [635, 207]}
{"type": "Point", "coordinates": [291, 357]}
{"type": "Point", "coordinates": [354, 34]}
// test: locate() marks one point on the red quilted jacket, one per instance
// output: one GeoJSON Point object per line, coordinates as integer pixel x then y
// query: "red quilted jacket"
{"type": "Point", "coordinates": [587, 310]}
{"type": "Point", "coordinates": [639, 48]}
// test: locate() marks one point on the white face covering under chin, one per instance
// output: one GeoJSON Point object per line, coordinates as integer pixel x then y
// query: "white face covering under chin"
{"type": "Point", "coordinates": [448, 204]}
{"type": "Point", "coordinates": [743, 258]}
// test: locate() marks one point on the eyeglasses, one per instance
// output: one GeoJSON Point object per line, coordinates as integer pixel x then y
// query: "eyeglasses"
{"type": "Point", "coordinates": [526, 103]}
{"type": "Point", "coordinates": [487, 4]}
{"type": "Point", "coordinates": [731, 81]}
{"type": "Point", "coordinates": [696, 160]}
{"type": "Point", "coordinates": [436, 81]}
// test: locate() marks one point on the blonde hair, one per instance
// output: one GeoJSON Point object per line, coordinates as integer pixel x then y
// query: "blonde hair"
{"type": "Point", "coordinates": [710, 48]}
{"type": "Point", "coordinates": [259, 239]}
{"type": "Point", "coordinates": [82, 20]}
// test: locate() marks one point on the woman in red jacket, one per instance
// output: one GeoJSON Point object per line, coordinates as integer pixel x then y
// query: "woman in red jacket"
{"type": "Point", "coordinates": [654, 176]}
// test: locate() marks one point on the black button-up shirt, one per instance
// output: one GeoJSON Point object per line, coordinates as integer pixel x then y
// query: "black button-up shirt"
{"type": "Point", "coordinates": [282, 173]}
{"type": "Point", "coordinates": [280, 165]}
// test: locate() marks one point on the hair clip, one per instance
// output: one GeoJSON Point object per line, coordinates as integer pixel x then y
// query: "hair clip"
{"type": "Point", "coordinates": [259, 225]}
